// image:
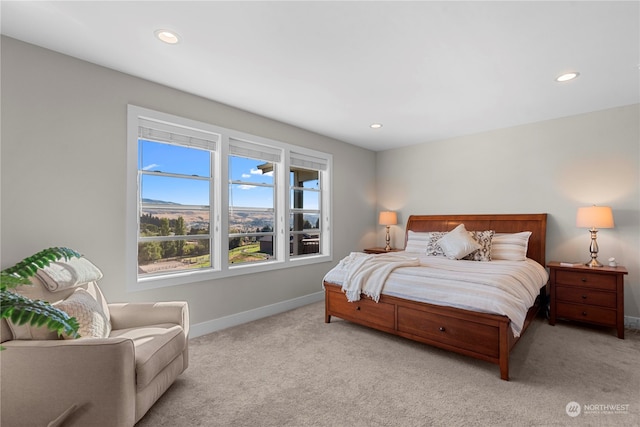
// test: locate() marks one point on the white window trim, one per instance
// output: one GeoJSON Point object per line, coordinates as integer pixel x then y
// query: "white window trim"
{"type": "Point", "coordinates": [220, 215]}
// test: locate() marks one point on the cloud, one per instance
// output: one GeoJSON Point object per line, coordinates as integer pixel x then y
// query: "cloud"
{"type": "Point", "coordinates": [151, 166]}
{"type": "Point", "coordinates": [246, 175]}
{"type": "Point", "coordinates": [246, 187]}
{"type": "Point", "coordinates": [256, 172]}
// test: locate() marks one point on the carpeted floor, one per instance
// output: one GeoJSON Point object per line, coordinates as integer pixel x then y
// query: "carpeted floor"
{"type": "Point", "coordinates": [292, 369]}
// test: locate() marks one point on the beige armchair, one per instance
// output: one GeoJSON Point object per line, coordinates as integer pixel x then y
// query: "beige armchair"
{"type": "Point", "coordinates": [110, 381]}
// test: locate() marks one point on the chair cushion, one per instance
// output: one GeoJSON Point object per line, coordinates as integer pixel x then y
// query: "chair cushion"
{"type": "Point", "coordinates": [156, 346]}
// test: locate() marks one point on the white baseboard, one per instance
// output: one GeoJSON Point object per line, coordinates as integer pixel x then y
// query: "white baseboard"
{"type": "Point", "coordinates": [632, 322]}
{"type": "Point", "coordinates": [214, 325]}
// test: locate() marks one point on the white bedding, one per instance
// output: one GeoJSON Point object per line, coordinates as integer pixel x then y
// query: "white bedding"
{"type": "Point", "coordinates": [500, 287]}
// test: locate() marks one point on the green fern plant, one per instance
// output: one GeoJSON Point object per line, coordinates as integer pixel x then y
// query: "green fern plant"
{"type": "Point", "coordinates": [21, 309]}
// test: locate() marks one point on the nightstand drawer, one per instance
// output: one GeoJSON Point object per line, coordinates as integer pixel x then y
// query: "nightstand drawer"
{"type": "Point", "coordinates": [586, 279]}
{"type": "Point", "coordinates": [586, 296]}
{"type": "Point", "coordinates": [586, 313]}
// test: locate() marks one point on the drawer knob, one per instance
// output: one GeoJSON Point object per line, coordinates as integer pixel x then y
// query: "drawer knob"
{"type": "Point", "coordinates": [358, 308]}
{"type": "Point", "coordinates": [584, 313]}
{"type": "Point", "coordinates": [584, 279]}
{"type": "Point", "coordinates": [441, 328]}
{"type": "Point", "coordinates": [584, 297]}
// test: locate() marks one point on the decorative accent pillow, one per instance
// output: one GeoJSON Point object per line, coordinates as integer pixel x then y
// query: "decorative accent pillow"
{"type": "Point", "coordinates": [94, 322]}
{"type": "Point", "coordinates": [510, 246]}
{"type": "Point", "coordinates": [60, 275]}
{"type": "Point", "coordinates": [424, 242]}
{"type": "Point", "coordinates": [433, 248]}
{"type": "Point", "coordinates": [457, 243]}
{"type": "Point", "coordinates": [26, 331]}
{"type": "Point", "coordinates": [484, 238]}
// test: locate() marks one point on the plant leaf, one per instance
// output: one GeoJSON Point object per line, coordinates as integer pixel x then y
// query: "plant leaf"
{"type": "Point", "coordinates": [20, 273]}
{"type": "Point", "coordinates": [37, 313]}
{"type": "Point", "coordinates": [21, 309]}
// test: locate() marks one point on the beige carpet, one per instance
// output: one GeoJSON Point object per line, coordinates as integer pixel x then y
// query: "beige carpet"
{"type": "Point", "coordinates": [292, 369]}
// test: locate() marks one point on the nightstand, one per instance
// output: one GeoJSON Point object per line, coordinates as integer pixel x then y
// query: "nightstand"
{"type": "Point", "coordinates": [588, 294]}
{"type": "Point", "coordinates": [379, 250]}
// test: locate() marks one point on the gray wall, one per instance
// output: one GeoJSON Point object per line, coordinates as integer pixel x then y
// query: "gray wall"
{"type": "Point", "coordinates": [553, 166]}
{"type": "Point", "coordinates": [63, 176]}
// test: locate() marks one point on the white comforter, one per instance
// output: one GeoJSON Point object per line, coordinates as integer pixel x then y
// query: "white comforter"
{"type": "Point", "coordinates": [500, 287]}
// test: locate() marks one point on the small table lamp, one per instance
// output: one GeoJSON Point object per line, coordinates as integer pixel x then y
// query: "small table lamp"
{"type": "Point", "coordinates": [388, 218]}
{"type": "Point", "coordinates": [594, 217]}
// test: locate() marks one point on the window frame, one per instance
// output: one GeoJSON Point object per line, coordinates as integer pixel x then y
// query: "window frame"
{"type": "Point", "coordinates": [219, 205]}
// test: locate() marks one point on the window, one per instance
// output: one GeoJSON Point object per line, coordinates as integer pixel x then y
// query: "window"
{"type": "Point", "coordinates": [252, 202]}
{"type": "Point", "coordinates": [305, 183]}
{"type": "Point", "coordinates": [206, 202]}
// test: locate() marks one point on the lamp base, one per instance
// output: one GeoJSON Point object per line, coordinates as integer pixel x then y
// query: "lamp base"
{"type": "Point", "coordinates": [593, 248]}
{"type": "Point", "coordinates": [593, 263]}
{"type": "Point", "coordinates": [387, 240]}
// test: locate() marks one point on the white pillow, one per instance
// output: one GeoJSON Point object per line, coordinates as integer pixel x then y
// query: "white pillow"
{"type": "Point", "coordinates": [458, 243]}
{"type": "Point", "coordinates": [416, 242]}
{"type": "Point", "coordinates": [94, 322]}
{"type": "Point", "coordinates": [66, 274]}
{"type": "Point", "coordinates": [510, 246]}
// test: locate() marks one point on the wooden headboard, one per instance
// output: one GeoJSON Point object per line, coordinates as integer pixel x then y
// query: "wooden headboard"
{"type": "Point", "coordinates": [501, 223]}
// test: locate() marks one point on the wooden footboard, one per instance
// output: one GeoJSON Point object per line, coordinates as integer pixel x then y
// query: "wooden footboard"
{"type": "Point", "coordinates": [482, 336]}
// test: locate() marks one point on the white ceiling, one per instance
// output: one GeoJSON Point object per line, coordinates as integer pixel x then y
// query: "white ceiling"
{"type": "Point", "coordinates": [425, 70]}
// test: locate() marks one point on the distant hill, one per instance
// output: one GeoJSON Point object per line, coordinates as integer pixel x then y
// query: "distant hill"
{"type": "Point", "coordinates": [158, 202]}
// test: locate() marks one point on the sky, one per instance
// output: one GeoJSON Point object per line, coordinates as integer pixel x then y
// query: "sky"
{"type": "Point", "coordinates": [153, 156]}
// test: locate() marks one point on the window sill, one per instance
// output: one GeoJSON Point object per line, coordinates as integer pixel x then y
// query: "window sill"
{"type": "Point", "coordinates": [176, 279]}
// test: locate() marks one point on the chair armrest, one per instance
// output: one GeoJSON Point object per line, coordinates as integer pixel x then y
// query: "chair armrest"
{"type": "Point", "coordinates": [133, 315]}
{"type": "Point", "coordinates": [92, 379]}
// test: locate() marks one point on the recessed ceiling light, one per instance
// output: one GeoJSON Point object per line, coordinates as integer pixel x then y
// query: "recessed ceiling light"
{"type": "Point", "coordinates": [567, 76]}
{"type": "Point", "coordinates": [375, 126]}
{"type": "Point", "coordinates": [167, 36]}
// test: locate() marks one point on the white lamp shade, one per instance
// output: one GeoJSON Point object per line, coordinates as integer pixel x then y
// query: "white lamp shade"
{"type": "Point", "coordinates": [388, 218]}
{"type": "Point", "coordinates": [594, 217]}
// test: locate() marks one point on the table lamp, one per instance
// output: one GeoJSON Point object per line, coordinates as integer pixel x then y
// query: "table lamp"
{"type": "Point", "coordinates": [594, 217]}
{"type": "Point", "coordinates": [388, 218]}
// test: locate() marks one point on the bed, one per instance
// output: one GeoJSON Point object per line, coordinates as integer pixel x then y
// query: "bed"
{"type": "Point", "coordinates": [480, 334]}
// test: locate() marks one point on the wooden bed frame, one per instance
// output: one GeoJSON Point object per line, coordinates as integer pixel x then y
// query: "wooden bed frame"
{"type": "Point", "coordinates": [480, 335]}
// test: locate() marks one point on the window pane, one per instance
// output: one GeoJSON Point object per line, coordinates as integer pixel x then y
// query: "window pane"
{"type": "Point", "coordinates": [172, 256]}
{"type": "Point", "coordinates": [302, 199]}
{"type": "Point", "coordinates": [307, 222]}
{"type": "Point", "coordinates": [304, 178]}
{"type": "Point", "coordinates": [304, 221]}
{"type": "Point", "coordinates": [251, 210]}
{"type": "Point", "coordinates": [171, 190]}
{"type": "Point", "coordinates": [251, 221]}
{"type": "Point", "coordinates": [250, 196]}
{"type": "Point", "coordinates": [154, 156]}
{"type": "Point", "coordinates": [250, 248]}
{"type": "Point", "coordinates": [303, 244]}
{"type": "Point", "coordinates": [305, 238]}
{"type": "Point", "coordinates": [242, 169]}
{"type": "Point", "coordinates": [193, 222]}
